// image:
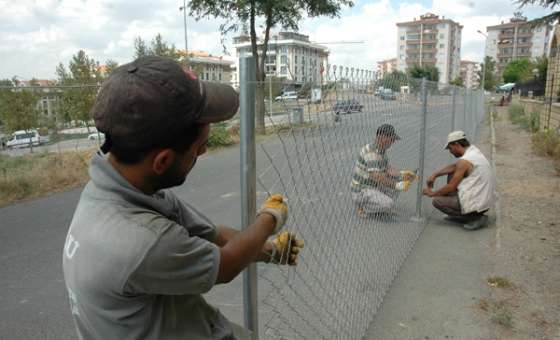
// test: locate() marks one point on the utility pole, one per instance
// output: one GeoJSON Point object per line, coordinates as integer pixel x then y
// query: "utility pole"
{"type": "Point", "coordinates": [184, 9]}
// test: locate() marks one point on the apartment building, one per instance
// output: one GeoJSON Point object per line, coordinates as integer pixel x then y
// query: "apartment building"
{"type": "Point", "coordinates": [290, 56]}
{"type": "Point", "coordinates": [469, 74]}
{"type": "Point", "coordinates": [47, 103]}
{"type": "Point", "coordinates": [430, 40]}
{"type": "Point", "coordinates": [209, 67]}
{"type": "Point", "coordinates": [385, 67]}
{"type": "Point", "coordinates": [516, 39]}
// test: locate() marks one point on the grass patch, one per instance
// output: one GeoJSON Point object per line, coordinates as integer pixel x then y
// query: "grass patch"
{"type": "Point", "coordinates": [547, 143]}
{"type": "Point", "coordinates": [499, 312]}
{"type": "Point", "coordinates": [34, 175]}
{"type": "Point", "coordinates": [220, 135]}
{"type": "Point", "coordinates": [498, 282]}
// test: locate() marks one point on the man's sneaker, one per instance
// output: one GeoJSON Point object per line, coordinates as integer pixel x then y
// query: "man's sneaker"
{"type": "Point", "coordinates": [477, 224]}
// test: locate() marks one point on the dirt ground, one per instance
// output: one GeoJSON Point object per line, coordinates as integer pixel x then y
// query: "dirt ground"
{"type": "Point", "coordinates": [525, 290]}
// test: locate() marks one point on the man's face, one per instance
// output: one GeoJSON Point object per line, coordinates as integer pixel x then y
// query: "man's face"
{"type": "Point", "coordinates": [454, 149]}
{"type": "Point", "coordinates": [177, 173]}
{"type": "Point", "coordinates": [384, 142]}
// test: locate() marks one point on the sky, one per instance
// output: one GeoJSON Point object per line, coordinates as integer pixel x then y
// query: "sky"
{"type": "Point", "coordinates": [37, 35]}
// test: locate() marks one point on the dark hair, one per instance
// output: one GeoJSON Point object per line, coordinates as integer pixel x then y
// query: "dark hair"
{"type": "Point", "coordinates": [179, 140]}
{"type": "Point", "coordinates": [463, 142]}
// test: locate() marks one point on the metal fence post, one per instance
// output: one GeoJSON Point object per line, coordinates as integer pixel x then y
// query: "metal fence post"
{"type": "Point", "coordinates": [247, 87]}
{"type": "Point", "coordinates": [453, 108]}
{"type": "Point", "coordinates": [465, 104]}
{"type": "Point", "coordinates": [422, 150]}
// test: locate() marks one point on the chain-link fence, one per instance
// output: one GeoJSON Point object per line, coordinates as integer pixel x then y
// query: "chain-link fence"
{"type": "Point", "coordinates": [356, 235]}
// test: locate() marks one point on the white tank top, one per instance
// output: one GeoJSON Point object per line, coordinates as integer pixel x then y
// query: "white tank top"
{"type": "Point", "coordinates": [476, 191]}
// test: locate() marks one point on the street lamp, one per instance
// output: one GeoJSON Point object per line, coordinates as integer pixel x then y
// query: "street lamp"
{"type": "Point", "coordinates": [483, 64]}
{"type": "Point", "coordinates": [184, 9]}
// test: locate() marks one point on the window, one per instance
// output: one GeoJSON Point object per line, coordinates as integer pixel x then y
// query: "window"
{"type": "Point", "coordinates": [402, 37]}
{"type": "Point", "coordinates": [441, 45]}
{"type": "Point", "coordinates": [220, 77]}
{"type": "Point", "coordinates": [207, 78]}
{"type": "Point", "coordinates": [295, 58]}
{"type": "Point", "coordinates": [296, 70]}
{"type": "Point", "coordinates": [284, 59]}
{"type": "Point", "coordinates": [283, 70]}
{"type": "Point", "coordinates": [402, 47]}
{"type": "Point", "coordinates": [441, 36]}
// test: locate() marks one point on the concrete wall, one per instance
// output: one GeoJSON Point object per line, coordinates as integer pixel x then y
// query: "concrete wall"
{"type": "Point", "coordinates": [549, 114]}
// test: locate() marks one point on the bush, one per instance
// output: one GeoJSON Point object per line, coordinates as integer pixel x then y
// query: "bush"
{"type": "Point", "coordinates": [534, 121]}
{"type": "Point", "coordinates": [517, 115]}
{"type": "Point", "coordinates": [220, 136]}
{"type": "Point", "coordinates": [547, 143]}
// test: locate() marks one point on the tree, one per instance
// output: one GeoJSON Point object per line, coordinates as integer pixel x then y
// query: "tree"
{"type": "Point", "coordinates": [457, 82]}
{"type": "Point", "coordinates": [394, 81]}
{"type": "Point", "coordinates": [81, 80]}
{"type": "Point", "coordinates": [110, 67]}
{"type": "Point", "coordinates": [489, 67]}
{"type": "Point", "coordinates": [284, 13]}
{"type": "Point", "coordinates": [547, 19]}
{"type": "Point", "coordinates": [6, 83]}
{"type": "Point", "coordinates": [429, 72]}
{"type": "Point", "coordinates": [18, 109]}
{"type": "Point", "coordinates": [517, 71]}
{"type": "Point", "coordinates": [140, 48]}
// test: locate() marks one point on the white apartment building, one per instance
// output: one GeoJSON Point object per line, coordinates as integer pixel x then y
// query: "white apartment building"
{"type": "Point", "coordinates": [385, 67]}
{"type": "Point", "coordinates": [516, 39]}
{"type": "Point", "coordinates": [290, 56]}
{"type": "Point", "coordinates": [430, 40]}
{"type": "Point", "coordinates": [469, 74]}
{"type": "Point", "coordinates": [209, 67]}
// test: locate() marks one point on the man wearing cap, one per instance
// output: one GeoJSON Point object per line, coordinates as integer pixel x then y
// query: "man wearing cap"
{"type": "Point", "coordinates": [136, 258]}
{"type": "Point", "coordinates": [376, 185]}
{"type": "Point", "coordinates": [470, 184]}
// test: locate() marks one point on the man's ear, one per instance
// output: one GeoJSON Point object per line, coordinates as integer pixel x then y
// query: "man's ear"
{"type": "Point", "coordinates": [163, 160]}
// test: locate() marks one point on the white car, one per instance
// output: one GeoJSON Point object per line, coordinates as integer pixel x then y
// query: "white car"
{"type": "Point", "coordinates": [289, 95]}
{"type": "Point", "coordinates": [96, 136]}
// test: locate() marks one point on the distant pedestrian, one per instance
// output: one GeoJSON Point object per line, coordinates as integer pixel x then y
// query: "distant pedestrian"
{"type": "Point", "coordinates": [468, 194]}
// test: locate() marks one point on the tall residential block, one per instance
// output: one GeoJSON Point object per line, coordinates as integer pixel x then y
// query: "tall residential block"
{"type": "Point", "coordinates": [469, 73]}
{"type": "Point", "coordinates": [516, 39]}
{"type": "Point", "coordinates": [430, 40]}
{"type": "Point", "coordinates": [290, 55]}
{"type": "Point", "coordinates": [385, 67]}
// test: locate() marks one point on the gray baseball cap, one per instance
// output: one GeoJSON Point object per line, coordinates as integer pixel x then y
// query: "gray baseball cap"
{"type": "Point", "coordinates": [148, 98]}
{"type": "Point", "coordinates": [455, 136]}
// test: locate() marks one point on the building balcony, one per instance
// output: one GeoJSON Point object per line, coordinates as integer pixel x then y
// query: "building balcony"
{"type": "Point", "coordinates": [524, 34]}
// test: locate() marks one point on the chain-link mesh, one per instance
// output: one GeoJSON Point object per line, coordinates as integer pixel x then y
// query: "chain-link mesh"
{"type": "Point", "coordinates": [351, 256]}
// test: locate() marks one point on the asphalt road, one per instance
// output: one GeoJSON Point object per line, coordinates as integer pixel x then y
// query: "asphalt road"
{"type": "Point", "coordinates": [346, 269]}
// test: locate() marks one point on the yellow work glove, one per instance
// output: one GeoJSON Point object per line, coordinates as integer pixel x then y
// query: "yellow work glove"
{"type": "Point", "coordinates": [285, 248]}
{"type": "Point", "coordinates": [409, 175]}
{"type": "Point", "coordinates": [276, 207]}
{"type": "Point", "coordinates": [402, 185]}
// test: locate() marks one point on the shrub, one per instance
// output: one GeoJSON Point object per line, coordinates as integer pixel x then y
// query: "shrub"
{"type": "Point", "coordinates": [547, 143]}
{"type": "Point", "coordinates": [219, 136]}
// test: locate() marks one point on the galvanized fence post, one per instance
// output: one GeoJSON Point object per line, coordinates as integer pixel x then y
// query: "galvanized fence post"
{"type": "Point", "coordinates": [247, 87]}
{"type": "Point", "coordinates": [424, 93]}
{"type": "Point", "coordinates": [453, 108]}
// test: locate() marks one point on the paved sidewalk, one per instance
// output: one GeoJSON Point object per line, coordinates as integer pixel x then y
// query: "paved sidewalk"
{"type": "Point", "coordinates": [436, 293]}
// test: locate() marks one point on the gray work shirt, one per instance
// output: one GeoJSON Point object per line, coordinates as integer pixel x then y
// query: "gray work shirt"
{"type": "Point", "coordinates": [136, 265]}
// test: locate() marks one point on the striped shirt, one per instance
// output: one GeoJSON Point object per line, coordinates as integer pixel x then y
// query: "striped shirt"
{"type": "Point", "coordinates": [371, 159]}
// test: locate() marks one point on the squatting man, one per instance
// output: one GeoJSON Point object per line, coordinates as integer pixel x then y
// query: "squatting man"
{"type": "Point", "coordinates": [470, 184]}
{"type": "Point", "coordinates": [375, 184]}
{"type": "Point", "coordinates": [136, 258]}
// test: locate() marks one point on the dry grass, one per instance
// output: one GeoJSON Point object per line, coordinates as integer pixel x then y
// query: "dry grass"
{"type": "Point", "coordinates": [35, 175]}
{"type": "Point", "coordinates": [498, 311]}
{"type": "Point", "coordinates": [547, 143]}
{"type": "Point", "coordinates": [498, 282]}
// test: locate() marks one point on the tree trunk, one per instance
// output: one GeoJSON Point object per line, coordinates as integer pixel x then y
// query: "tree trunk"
{"type": "Point", "coordinates": [260, 108]}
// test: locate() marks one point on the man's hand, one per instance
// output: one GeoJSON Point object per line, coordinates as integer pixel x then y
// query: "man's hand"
{"type": "Point", "coordinates": [428, 192]}
{"type": "Point", "coordinates": [402, 185]}
{"type": "Point", "coordinates": [285, 248]}
{"type": "Point", "coordinates": [276, 207]}
{"type": "Point", "coordinates": [430, 181]}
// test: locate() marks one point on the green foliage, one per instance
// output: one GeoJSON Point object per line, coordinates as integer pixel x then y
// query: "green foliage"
{"type": "Point", "coordinates": [489, 67]}
{"type": "Point", "coordinates": [111, 66]}
{"type": "Point", "coordinates": [219, 136]}
{"type": "Point", "coordinates": [457, 82]}
{"type": "Point", "coordinates": [82, 77]}
{"type": "Point", "coordinates": [158, 47]}
{"type": "Point", "coordinates": [18, 109]}
{"type": "Point", "coordinates": [517, 71]}
{"type": "Point", "coordinates": [6, 82]}
{"type": "Point", "coordinates": [394, 81]}
{"type": "Point", "coordinates": [429, 72]}
{"type": "Point", "coordinates": [528, 122]}
{"type": "Point", "coordinates": [547, 143]}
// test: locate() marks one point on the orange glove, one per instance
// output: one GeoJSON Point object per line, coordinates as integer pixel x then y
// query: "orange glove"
{"type": "Point", "coordinates": [285, 249]}
{"type": "Point", "coordinates": [276, 207]}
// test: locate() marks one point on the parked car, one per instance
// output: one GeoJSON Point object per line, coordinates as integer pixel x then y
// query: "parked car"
{"type": "Point", "coordinates": [24, 138]}
{"type": "Point", "coordinates": [288, 95]}
{"type": "Point", "coordinates": [387, 94]}
{"type": "Point", "coordinates": [96, 136]}
{"type": "Point", "coordinates": [347, 106]}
